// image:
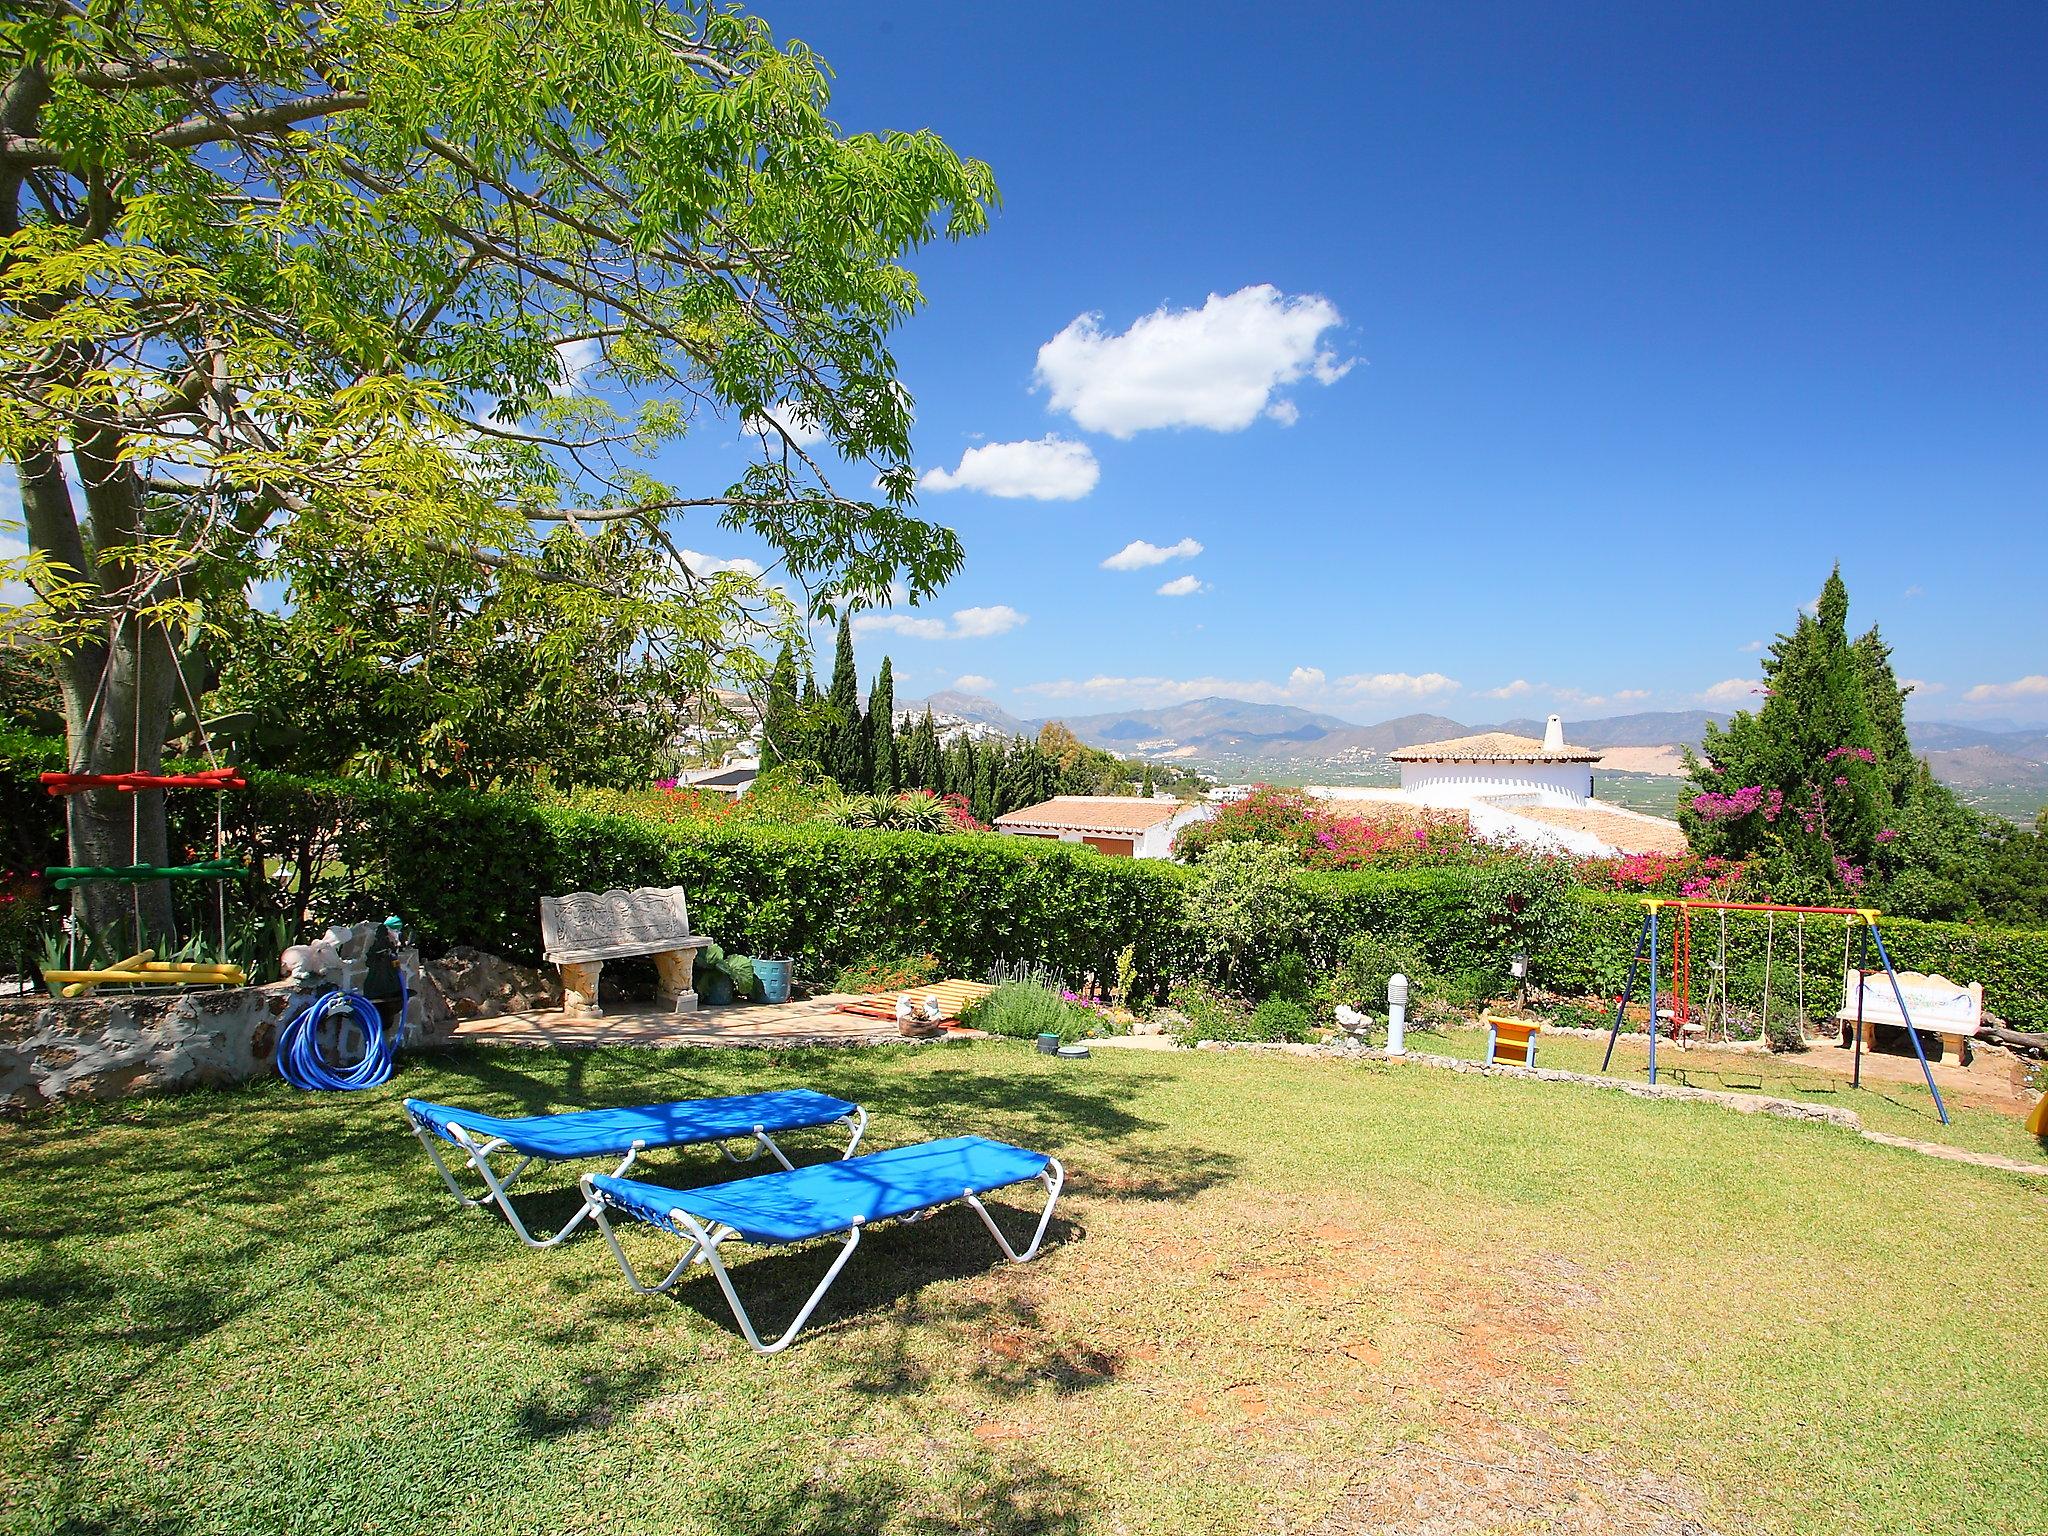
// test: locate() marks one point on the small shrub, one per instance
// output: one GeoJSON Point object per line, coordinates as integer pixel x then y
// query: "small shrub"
{"type": "Point", "coordinates": [1023, 1010]}
{"type": "Point", "coordinates": [1369, 959]}
{"type": "Point", "coordinates": [887, 975]}
{"type": "Point", "coordinates": [1287, 976]}
{"type": "Point", "coordinates": [1785, 1033]}
{"type": "Point", "coordinates": [1281, 1018]}
{"type": "Point", "coordinates": [1211, 1014]}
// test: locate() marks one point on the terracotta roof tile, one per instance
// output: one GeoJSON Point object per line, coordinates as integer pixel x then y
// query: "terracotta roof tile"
{"type": "Point", "coordinates": [1492, 747]}
{"type": "Point", "coordinates": [1094, 813]}
{"type": "Point", "coordinates": [1631, 834]}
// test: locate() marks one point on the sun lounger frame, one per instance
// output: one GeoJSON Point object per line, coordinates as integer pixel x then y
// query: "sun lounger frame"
{"type": "Point", "coordinates": [702, 1241]}
{"type": "Point", "coordinates": [478, 1151]}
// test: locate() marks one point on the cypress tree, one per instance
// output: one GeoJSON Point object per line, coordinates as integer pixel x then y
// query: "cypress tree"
{"type": "Point", "coordinates": [779, 731]}
{"type": "Point", "coordinates": [844, 758]}
{"type": "Point", "coordinates": [984, 798]}
{"type": "Point", "coordinates": [1145, 786]}
{"type": "Point", "coordinates": [884, 774]}
{"type": "Point", "coordinates": [1797, 784]}
{"type": "Point", "coordinates": [926, 771]}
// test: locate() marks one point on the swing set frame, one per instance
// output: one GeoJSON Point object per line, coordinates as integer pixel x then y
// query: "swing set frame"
{"type": "Point", "coordinates": [1646, 947]}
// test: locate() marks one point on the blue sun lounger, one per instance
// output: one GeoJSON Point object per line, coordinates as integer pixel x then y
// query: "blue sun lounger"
{"type": "Point", "coordinates": [824, 1200]}
{"type": "Point", "coordinates": [620, 1133]}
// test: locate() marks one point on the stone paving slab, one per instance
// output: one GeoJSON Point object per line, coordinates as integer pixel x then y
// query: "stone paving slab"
{"type": "Point", "coordinates": [811, 1021]}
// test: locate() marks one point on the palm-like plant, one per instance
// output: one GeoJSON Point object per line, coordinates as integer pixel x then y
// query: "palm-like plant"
{"type": "Point", "coordinates": [920, 810]}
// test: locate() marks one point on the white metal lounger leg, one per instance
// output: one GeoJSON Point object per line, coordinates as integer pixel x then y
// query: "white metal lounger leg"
{"type": "Point", "coordinates": [707, 1243]}
{"type": "Point", "coordinates": [858, 1120]}
{"type": "Point", "coordinates": [698, 1242]}
{"type": "Point", "coordinates": [1054, 1178]}
{"type": "Point", "coordinates": [498, 1187]}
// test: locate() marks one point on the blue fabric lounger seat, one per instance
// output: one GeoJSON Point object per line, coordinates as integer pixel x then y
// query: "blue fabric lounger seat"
{"type": "Point", "coordinates": [621, 1133]}
{"type": "Point", "coordinates": [906, 1183]}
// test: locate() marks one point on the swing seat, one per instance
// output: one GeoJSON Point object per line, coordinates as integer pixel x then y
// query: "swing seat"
{"type": "Point", "coordinates": [1511, 1042]}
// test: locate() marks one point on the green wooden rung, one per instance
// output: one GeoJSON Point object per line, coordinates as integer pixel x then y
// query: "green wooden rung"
{"type": "Point", "coordinates": [64, 876]}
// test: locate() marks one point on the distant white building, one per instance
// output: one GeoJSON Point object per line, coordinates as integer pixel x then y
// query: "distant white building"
{"type": "Point", "coordinates": [1127, 826]}
{"type": "Point", "coordinates": [735, 776]}
{"type": "Point", "coordinates": [1515, 789]}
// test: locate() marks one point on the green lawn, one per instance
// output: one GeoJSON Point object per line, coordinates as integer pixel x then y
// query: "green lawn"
{"type": "Point", "coordinates": [1283, 1295]}
{"type": "Point", "coordinates": [1898, 1108]}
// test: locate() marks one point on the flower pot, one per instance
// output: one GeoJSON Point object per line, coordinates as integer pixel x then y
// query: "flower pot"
{"type": "Point", "coordinates": [774, 978]}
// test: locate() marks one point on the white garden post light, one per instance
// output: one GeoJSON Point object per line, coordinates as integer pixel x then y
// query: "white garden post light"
{"type": "Point", "coordinates": [1397, 1014]}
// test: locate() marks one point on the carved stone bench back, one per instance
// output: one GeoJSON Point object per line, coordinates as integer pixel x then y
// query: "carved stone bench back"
{"type": "Point", "coordinates": [585, 925]}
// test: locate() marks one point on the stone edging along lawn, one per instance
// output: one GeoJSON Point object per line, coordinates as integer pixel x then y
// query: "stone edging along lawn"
{"type": "Point", "coordinates": [1741, 1103]}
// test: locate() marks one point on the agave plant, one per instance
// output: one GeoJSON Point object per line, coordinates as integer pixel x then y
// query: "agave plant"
{"type": "Point", "coordinates": [865, 811]}
{"type": "Point", "coordinates": [919, 810]}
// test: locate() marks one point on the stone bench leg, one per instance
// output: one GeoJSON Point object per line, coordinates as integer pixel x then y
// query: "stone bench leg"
{"type": "Point", "coordinates": [675, 980]}
{"type": "Point", "coordinates": [579, 989]}
{"type": "Point", "coordinates": [1955, 1050]}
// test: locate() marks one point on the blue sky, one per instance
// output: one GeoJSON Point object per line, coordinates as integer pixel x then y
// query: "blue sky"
{"type": "Point", "coordinates": [1497, 359]}
{"type": "Point", "coordinates": [1637, 319]}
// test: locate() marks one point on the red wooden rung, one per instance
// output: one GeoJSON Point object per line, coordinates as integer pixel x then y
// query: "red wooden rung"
{"type": "Point", "coordinates": [129, 783]}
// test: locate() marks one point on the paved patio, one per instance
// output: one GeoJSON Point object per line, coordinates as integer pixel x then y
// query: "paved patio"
{"type": "Point", "coordinates": [811, 1021]}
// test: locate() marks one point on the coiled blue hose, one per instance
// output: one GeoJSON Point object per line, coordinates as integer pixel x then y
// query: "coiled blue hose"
{"type": "Point", "coordinates": [300, 1063]}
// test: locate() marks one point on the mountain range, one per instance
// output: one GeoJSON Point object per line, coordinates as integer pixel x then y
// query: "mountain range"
{"type": "Point", "coordinates": [1224, 733]}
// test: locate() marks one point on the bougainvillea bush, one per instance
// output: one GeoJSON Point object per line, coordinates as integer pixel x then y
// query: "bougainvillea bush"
{"type": "Point", "coordinates": [1689, 875]}
{"type": "Point", "coordinates": [1323, 837]}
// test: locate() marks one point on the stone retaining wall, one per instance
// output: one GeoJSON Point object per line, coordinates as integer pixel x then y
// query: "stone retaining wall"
{"type": "Point", "coordinates": [55, 1049]}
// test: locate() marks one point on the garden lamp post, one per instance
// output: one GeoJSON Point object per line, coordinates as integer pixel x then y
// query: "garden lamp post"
{"type": "Point", "coordinates": [1397, 1014]}
{"type": "Point", "coordinates": [1520, 966]}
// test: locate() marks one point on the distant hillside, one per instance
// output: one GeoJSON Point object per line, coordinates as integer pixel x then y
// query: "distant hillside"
{"type": "Point", "coordinates": [968, 706]}
{"type": "Point", "coordinates": [2000, 767]}
{"type": "Point", "coordinates": [1675, 728]}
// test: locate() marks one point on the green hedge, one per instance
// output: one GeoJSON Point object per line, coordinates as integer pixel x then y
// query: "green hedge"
{"type": "Point", "coordinates": [471, 869]}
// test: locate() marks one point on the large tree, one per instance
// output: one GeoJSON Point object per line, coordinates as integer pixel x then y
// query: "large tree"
{"type": "Point", "coordinates": [844, 739]}
{"type": "Point", "coordinates": [885, 774]}
{"type": "Point", "coordinates": [389, 283]}
{"type": "Point", "coordinates": [1820, 786]}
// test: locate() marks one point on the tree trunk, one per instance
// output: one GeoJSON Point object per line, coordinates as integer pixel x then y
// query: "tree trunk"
{"type": "Point", "coordinates": [118, 690]}
{"type": "Point", "coordinates": [124, 732]}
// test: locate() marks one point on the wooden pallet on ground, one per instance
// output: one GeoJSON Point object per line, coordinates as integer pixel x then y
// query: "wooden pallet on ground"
{"type": "Point", "coordinates": [953, 995]}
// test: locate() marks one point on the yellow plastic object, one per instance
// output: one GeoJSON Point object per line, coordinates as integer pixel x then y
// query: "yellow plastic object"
{"type": "Point", "coordinates": [2037, 1118]}
{"type": "Point", "coordinates": [1512, 1041]}
{"type": "Point", "coordinates": [143, 970]}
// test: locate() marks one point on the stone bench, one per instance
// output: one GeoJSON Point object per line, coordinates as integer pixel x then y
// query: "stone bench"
{"type": "Point", "coordinates": [1943, 1007]}
{"type": "Point", "coordinates": [584, 929]}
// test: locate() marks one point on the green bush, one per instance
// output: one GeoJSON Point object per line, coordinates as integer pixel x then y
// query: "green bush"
{"type": "Point", "coordinates": [1212, 1014]}
{"type": "Point", "coordinates": [1360, 978]}
{"type": "Point", "coordinates": [896, 975]}
{"type": "Point", "coordinates": [468, 868]}
{"type": "Point", "coordinates": [1023, 1010]}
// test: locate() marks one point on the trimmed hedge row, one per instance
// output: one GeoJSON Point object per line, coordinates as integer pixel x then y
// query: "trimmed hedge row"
{"type": "Point", "coordinates": [471, 868]}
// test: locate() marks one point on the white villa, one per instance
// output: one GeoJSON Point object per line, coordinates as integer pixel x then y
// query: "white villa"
{"type": "Point", "coordinates": [1515, 789]}
{"type": "Point", "coordinates": [1128, 826]}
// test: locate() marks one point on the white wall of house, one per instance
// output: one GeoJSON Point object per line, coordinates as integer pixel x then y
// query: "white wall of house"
{"type": "Point", "coordinates": [1448, 784]}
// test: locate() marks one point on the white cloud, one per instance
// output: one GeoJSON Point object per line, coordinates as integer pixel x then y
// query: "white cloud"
{"type": "Point", "coordinates": [1304, 686]}
{"type": "Point", "coordinates": [1514, 690]}
{"type": "Point", "coordinates": [1182, 586]}
{"type": "Point", "coordinates": [1396, 685]}
{"type": "Point", "coordinates": [973, 682]}
{"type": "Point", "coordinates": [1731, 690]}
{"type": "Point", "coordinates": [1751, 648]}
{"type": "Point", "coordinates": [1050, 468]}
{"type": "Point", "coordinates": [711, 565]}
{"type": "Point", "coordinates": [967, 623]}
{"type": "Point", "coordinates": [576, 359]}
{"type": "Point", "coordinates": [803, 429]}
{"type": "Point", "coordinates": [2034, 687]}
{"type": "Point", "coordinates": [1138, 554]}
{"type": "Point", "coordinates": [1216, 367]}
{"type": "Point", "coordinates": [1916, 590]}
{"type": "Point", "coordinates": [1922, 687]}
{"type": "Point", "coordinates": [1629, 695]}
